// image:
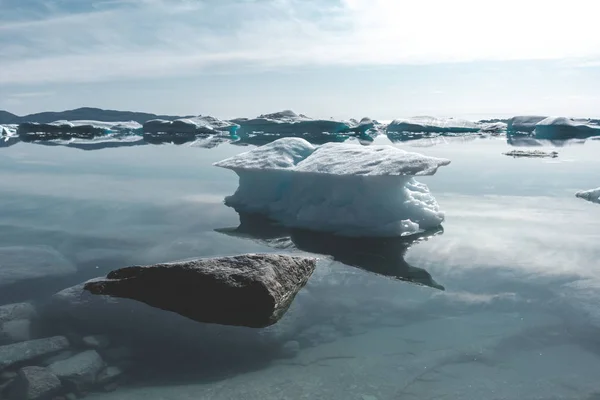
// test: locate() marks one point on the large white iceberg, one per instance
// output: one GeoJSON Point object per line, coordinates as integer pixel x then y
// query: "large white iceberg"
{"type": "Point", "coordinates": [592, 195]}
{"type": "Point", "coordinates": [185, 129]}
{"type": "Point", "coordinates": [565, 128]}
{"type": "Point", "coordinates": [288, 123]}
{"type": "Point", "coordinates": [345, 189]}
{"type": "Point", "coordinates": [425, 124]}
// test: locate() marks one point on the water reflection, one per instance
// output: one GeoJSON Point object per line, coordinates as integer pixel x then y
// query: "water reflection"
{"type": "Point", "coordinates": [519, 140]}
{"type": "Point", "coordinates": [382, 256]}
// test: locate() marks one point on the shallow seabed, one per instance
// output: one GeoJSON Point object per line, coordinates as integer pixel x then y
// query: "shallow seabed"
{"type": "Point", "coordinates": [518, 258]}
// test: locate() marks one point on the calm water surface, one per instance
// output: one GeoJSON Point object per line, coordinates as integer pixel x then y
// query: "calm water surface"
{"type": "Point", "coordinates": [518, 258]}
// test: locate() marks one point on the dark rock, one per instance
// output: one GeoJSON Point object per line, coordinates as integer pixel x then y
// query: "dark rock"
{"type": "Point", "coordinates": [253, 290]}
{"type": "Point", "coordinates": [11, 312]}
{"type": "Point", "coordinates": [35, 383]}
{"type": "Point", "coordinates": [26, 351]}
{"type": "Point", "coordinates": [80, 370]}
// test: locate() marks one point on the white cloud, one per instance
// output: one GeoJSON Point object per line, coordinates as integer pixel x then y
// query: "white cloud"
{"type": "Point", "coordinates": [147, 38]}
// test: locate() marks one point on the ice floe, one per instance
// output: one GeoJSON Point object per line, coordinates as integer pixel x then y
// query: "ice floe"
{"type": "Point", "coordinates": [346, 189]}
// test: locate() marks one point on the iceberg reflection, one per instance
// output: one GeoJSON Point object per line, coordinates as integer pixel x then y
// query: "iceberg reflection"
{"type": "Point", "coordinates": [382, 256]}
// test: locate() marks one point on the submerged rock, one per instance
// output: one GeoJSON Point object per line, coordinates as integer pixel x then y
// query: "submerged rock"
{"type": "Point", "coordinates": [80, 370]}
{"type": "Point", "coordinates": [109, 375]}
{"type": "Point", "coordinates": [35, 383]}
{"type": "Point", "coordinates": [11, 312]}
{"type": "Point", "coordinates": [253, 290]}
{"type": "Point", "coordinates": [18, 330]}
{"type": "Point", "coordinates": [96, 341]}
{"type": "Point", "coordinates": [26, 351]}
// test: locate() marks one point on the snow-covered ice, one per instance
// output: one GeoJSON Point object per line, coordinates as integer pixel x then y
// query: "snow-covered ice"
{"type": "Point", "coordinates": [592, 195]}
{"type": "Point", "coordinates": [433, 125]}
{"type": "Point", "coordinates": [346, 189]}
{"type": "Point", "coordinates": [565, 128]}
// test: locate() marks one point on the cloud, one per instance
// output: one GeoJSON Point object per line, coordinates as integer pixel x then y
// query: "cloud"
{"type": "Point", "coordinates": [119, 39]}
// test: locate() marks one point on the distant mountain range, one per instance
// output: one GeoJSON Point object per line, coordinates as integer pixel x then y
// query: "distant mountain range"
{"type": "Point", "coordinates": [84, 113]}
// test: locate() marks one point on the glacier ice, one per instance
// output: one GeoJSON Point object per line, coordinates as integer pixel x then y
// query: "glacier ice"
{"type": "Point", "coordinates": [565, 128]}
{"type": "Point", "coordinates": [185, 129]}
{"type": "Point", "coordinates": [425, 124]}
{"type": "Point", "coordinates": [523, 123]}
{"type": "Point", "coordinates": [345, 189]}
{"type": "Point", "coordinates": [592, 195]}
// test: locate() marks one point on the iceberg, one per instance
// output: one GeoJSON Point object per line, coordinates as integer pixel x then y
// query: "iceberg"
{"type": "Point", "coordinates": [592, 195]}
{"type": "Point", "coordinates": [426, 124]}
{"type": "Point", "coordinates": [523, 123]}
{"type": "Point", "coordinates": [493, 127]}
{"type": "Point", "coordinates": [288, 123]}
{"type": "Point", "coordinates": [340, 188]}
{"type": "Point", "coordinates": [185, 129]}
{"type": "Point", "coordinates": [65, 130]}
{"type": "Point", "coordinates": [560, 128]}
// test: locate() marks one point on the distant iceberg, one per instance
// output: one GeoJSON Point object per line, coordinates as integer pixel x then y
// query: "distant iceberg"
{"type": "Point", "coordinates": [65, 130]}
{"type": "Point", "coordinates": [287, 123]}
{"type": "Point", "coordinates": [565, 128]}
{"type": "Point", "coordinates": [345, 189]}
{"type": "Point", "coordinates": [433, 125]}
{"type": "Point", "coordinates": [592, 195]}
{"type": "Point", "coordinates": [185, 129]}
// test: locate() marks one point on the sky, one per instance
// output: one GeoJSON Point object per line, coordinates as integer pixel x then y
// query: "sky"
{"type": "Point", "coordinates": [323, 58]}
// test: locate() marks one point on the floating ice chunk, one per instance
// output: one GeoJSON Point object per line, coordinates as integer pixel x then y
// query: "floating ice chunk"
{"type": "Point", "coordinates": [8, 135]}
{"type": "Point", "coordinates": [432, 125]}
{"type": "Point", "coordinates": [592, 195]}
{"type": "Point", "coordinates": [346, 189]}
{"type": "Point", "coordinates": [565, 128]}
{"type": "Point", "coordinates": [523, 123]}
{"type": "Point", "coordinates": [185, 129]}
{"type": "Point", "coordinates": [289, 123]}
{"type": "Point", "coordinates": [531, 154]}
